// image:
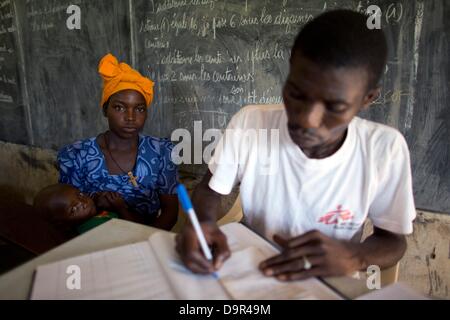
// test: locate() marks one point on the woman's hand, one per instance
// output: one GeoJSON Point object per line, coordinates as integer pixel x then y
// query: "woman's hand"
{"type": "Point", "coordinates": [111, 201]}
{"type": "Point", "coordinates": [169, 212]}
{"type": "Point", "coordinates": [327, 256]}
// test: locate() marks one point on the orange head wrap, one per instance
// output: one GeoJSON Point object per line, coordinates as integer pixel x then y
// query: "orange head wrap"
{"type": "Point", "coordinates": [118, 77]}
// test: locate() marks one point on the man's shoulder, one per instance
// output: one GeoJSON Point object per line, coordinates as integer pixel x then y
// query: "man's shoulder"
{"type": "Point", "coordinates": [259, 116]}
{"type": "Point", "coordinates": [379, 136]}
{"type": "Point", "coordinates": [261, 110]}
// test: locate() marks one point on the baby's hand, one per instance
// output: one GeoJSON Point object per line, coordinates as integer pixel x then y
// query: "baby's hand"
{"type": "Point", "coordinates": [117, 203]}
{"type": "Point", "coordinates": [111, 201]}
{"type": "Point", "coordinates": [101, 201]}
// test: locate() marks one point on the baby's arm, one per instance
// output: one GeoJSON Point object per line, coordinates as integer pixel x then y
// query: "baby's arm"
{"type": "Point", "coordinates": [113, 201]}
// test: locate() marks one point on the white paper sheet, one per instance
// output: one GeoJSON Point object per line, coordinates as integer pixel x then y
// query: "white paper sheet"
{"type": "Point", "coordinates": [153, 270]}
{"type": "Point", "coordinates": [186, 285]}
{"type": "Point", "coordinates": [243, 280]}
{"type": "Point", "coordinates": [127, 272]}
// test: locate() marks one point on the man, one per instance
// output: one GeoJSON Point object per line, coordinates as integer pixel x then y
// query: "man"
{"type": "Point", "coordinates": [334, 170]}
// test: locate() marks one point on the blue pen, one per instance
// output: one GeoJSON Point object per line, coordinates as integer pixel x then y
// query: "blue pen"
{"type": "Point", "coordinates": [189, 209]}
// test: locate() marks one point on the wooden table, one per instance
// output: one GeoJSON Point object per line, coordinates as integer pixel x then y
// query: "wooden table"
{"type": "Point", "coordinates": [16, 284]}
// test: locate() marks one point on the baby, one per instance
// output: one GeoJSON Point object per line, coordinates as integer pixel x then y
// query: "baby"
{"type": "Point", "coordinates": [68, 208]}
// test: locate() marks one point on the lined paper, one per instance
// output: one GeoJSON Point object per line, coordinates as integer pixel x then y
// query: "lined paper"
{"type": "Point", "coordinates": [243, 280]}
{"type": "Point", "coordinates": [153, 270]}
{"type": "Point", "coordinates": [186, 284]}
{"type": "Point", "coordinates": [127, 272]}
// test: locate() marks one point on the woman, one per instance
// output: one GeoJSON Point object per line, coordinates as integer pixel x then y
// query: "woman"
{"type": "Point", "coordinates": [124, 171]}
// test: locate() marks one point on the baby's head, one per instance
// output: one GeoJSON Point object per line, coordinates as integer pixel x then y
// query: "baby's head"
{"type": "Point", "coordinates": [62, 203]}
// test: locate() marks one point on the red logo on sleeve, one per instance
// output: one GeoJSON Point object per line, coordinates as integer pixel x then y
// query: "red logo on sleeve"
{"type": "Point", "coordinates": [336, 216]}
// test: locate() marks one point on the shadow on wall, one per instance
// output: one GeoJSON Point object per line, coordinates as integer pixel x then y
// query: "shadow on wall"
{"type": "Point", "coordinates": [25, 171]}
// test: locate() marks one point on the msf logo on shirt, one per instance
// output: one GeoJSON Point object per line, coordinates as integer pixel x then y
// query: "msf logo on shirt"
{"type": "Point", "coordinates": [339, 217]}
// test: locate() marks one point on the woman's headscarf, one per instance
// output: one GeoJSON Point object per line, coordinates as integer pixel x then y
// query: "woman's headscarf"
{"type": "Point", "coordinates": [120, 76]}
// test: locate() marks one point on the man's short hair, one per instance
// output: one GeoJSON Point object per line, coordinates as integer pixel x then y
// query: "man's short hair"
{"type": "Point", "coordinates": [341, 38]}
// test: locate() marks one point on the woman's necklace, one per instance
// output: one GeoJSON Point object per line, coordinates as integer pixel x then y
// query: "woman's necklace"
{"type": "Point", "coordinates": [132, 179]}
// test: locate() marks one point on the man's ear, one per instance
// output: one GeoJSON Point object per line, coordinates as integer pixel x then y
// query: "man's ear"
{"type": "Point", "coordinates": [370, 97]}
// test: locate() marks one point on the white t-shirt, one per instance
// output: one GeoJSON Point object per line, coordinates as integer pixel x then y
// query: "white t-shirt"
{"type": "Point", "coordinates": [369, 176]}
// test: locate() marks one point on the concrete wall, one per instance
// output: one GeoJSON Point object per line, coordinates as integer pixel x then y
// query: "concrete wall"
{"type": "Point", "coordinates": [24, 171]}
{"type": "Point", "coordinates": [426, 265]}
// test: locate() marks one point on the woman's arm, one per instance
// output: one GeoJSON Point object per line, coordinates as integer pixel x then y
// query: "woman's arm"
{"type": "Point", "coordinates": [166, 186]}
{"type": "Point", "coordinates": [113, 201]}
{"type": "Point", "coordinates": [70, 167]}
{"type": "Point", "coordinates": [169, 212]}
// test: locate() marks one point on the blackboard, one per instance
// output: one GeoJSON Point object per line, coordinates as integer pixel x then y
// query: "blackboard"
{"type": "Point", "coordinates": [13, 119]}
{"type": "Point", "coordinates": [209, 58]}
{"type": "Point", "coordinates": [61, 65]}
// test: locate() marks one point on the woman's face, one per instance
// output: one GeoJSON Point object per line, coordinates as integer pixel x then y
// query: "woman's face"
{"type": "Point", "coordinates": [126, 113]}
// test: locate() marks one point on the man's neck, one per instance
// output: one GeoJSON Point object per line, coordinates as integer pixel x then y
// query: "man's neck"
{"type": "Point", "coordinates": [325, 150]}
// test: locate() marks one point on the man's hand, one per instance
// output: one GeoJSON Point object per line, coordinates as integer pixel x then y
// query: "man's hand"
{"type": "Point", "coordinates": [188, 246]}
{"type": "Point", "coordinates": [328, 257]}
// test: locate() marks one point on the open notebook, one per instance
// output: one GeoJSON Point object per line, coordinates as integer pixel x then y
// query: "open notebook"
{"type": "Point", "coordinates": [152, 270]}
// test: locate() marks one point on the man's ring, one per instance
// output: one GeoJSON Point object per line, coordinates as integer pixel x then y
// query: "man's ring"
{"type": "Point", "coordinates": [306, 264]}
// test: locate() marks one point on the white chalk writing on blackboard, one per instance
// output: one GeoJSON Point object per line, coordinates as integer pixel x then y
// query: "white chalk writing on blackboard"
{"type": "Point", "coordinates": [8, 59]}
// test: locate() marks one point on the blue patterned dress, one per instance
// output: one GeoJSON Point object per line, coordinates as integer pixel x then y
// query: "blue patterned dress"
{"type": "Point", "coordinates": [83, 165]}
